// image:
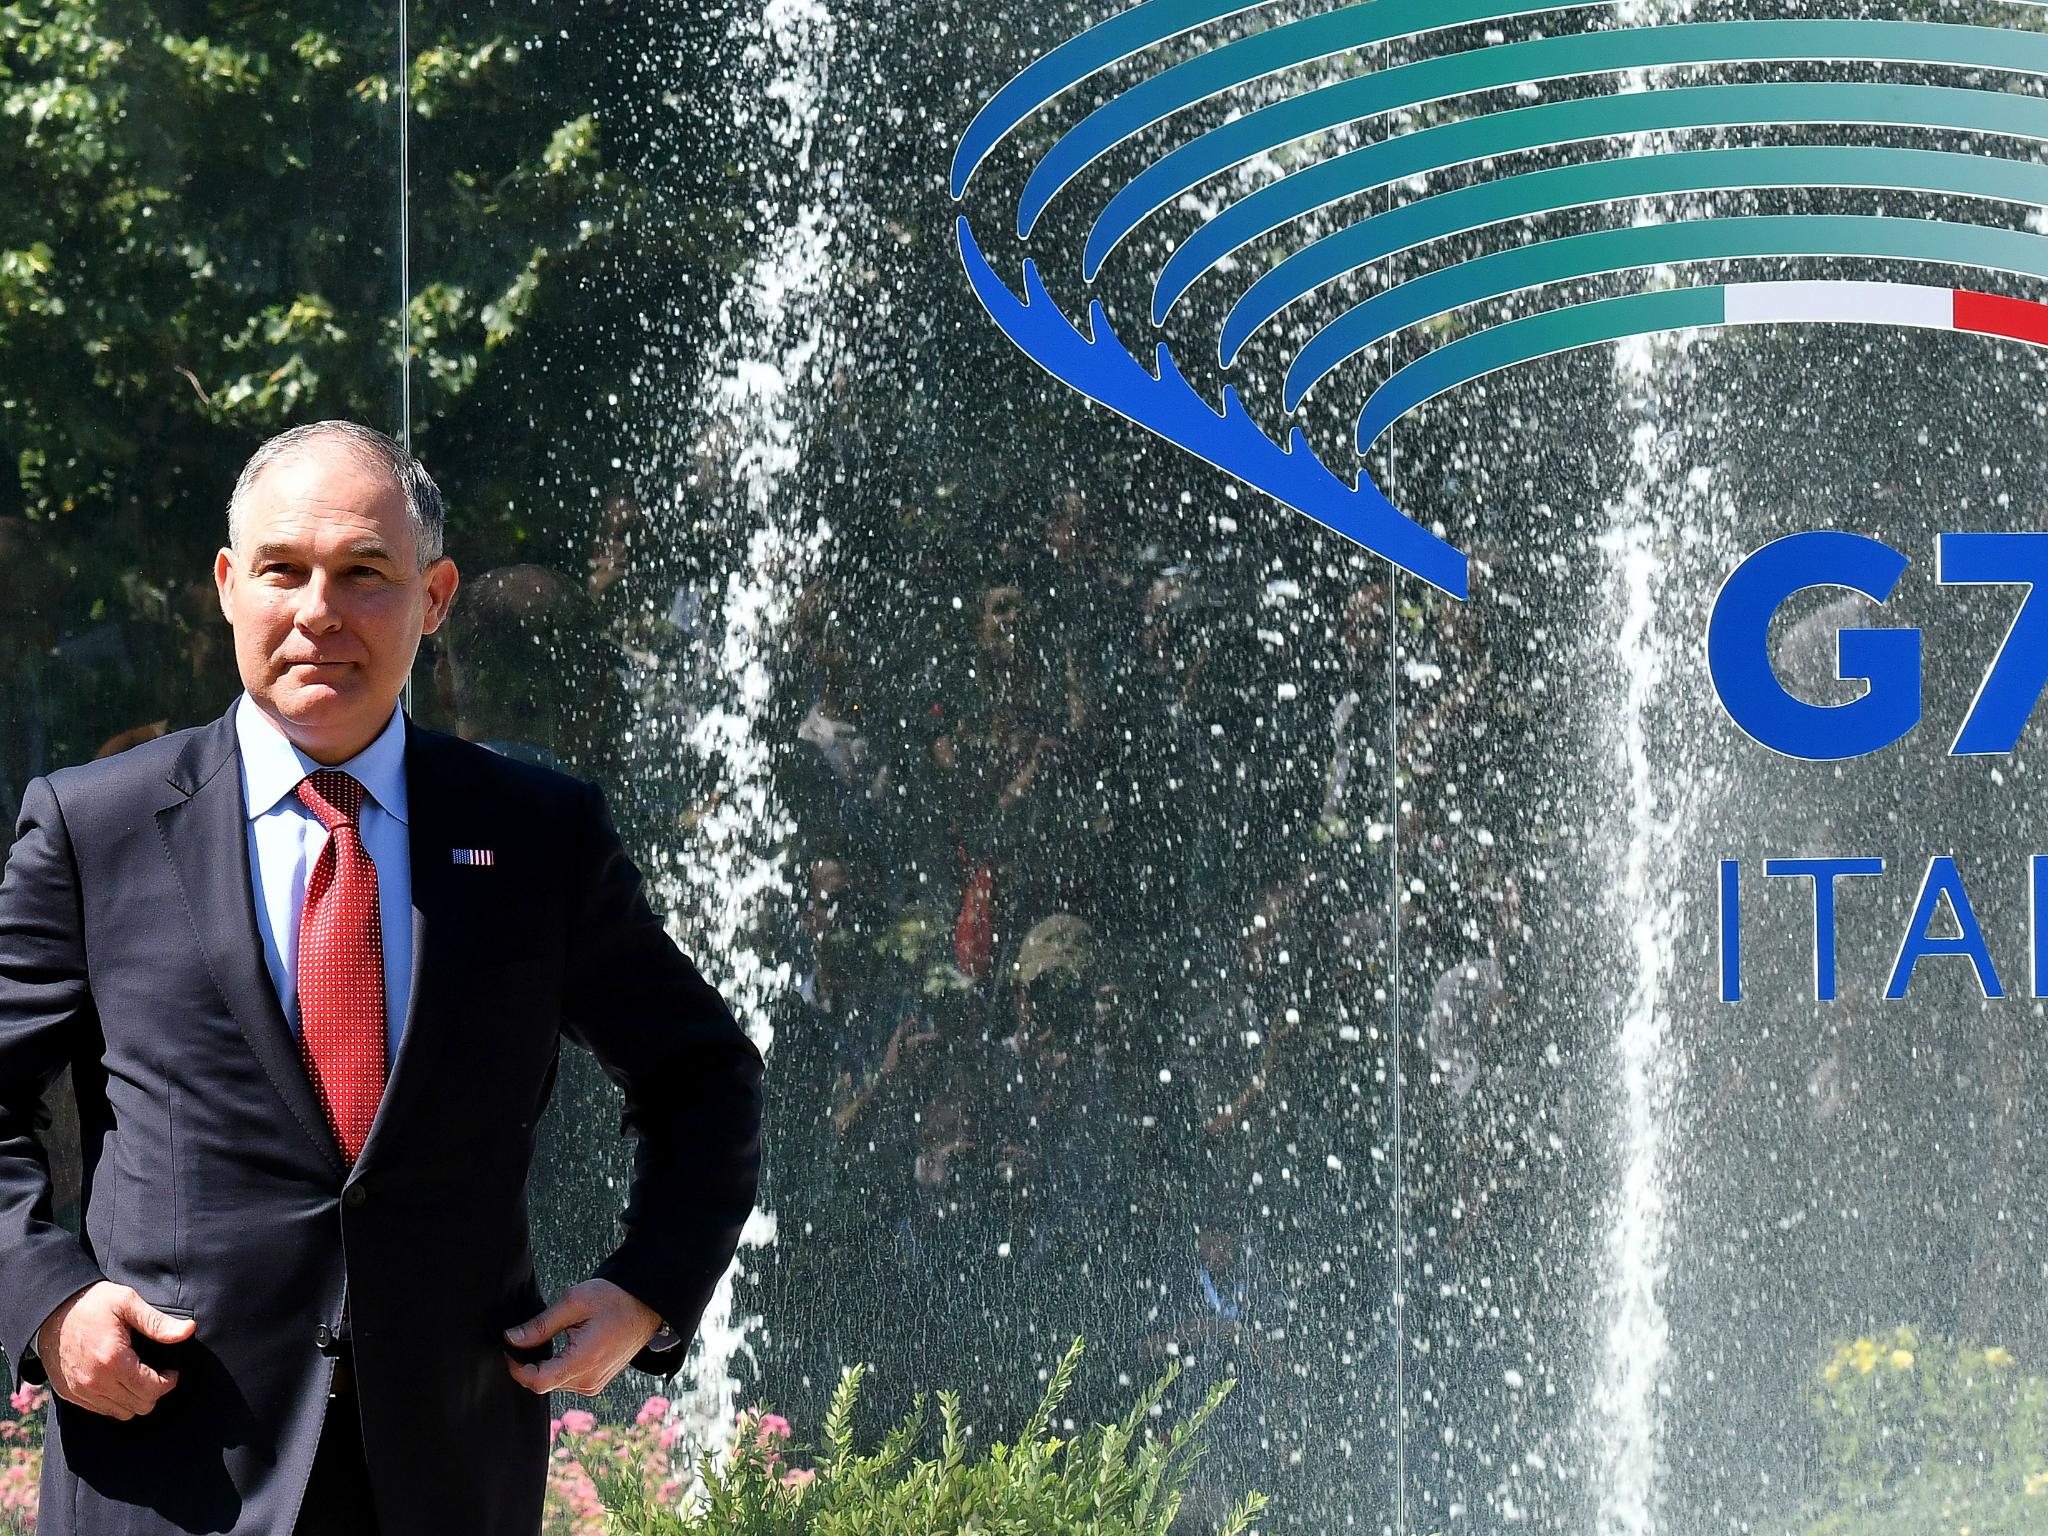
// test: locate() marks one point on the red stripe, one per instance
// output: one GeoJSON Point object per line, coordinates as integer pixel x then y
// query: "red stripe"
{"type": "Point", "coordinates": [1994, 314]}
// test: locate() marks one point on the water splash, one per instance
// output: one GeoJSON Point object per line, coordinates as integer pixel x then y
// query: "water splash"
{"type": "Point", "coordinates": [1627, 1419]}
{"type": "Point", "coordinates": [760, 382]}
{"type": "Point", "coordinates": [1652, 826]}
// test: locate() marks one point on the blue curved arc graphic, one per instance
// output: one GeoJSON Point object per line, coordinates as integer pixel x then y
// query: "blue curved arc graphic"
{"type": "Point", "coordinates": [1372, 166]}
{"type": "Point", "coordinates": [1099, 366]}
{"type": "Point", "coordinates": [1549, 58]}
{"type": "Point", "coordinates": [1230, 65]}
{"type": "Point", "coordinates": [1606, 181]}
{"type": "Point", "coordinates": [1620, 250]}
{"type": "Point", "coordinates": [1107, 42]}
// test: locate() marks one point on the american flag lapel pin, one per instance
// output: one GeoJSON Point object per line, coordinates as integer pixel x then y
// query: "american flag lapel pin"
{"type": "Point", "coordinates": [479, 857]}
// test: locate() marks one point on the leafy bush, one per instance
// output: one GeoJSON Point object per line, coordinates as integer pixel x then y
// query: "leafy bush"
{"type": "Point", "coordinates": [1110, 1480]}
{"type": "Point", "coordinates": [1923, 1435]}
{"type": "Point", "coordinates": [1122, 1479]}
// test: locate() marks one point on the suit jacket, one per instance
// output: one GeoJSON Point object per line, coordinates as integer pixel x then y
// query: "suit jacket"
{"type": "Point", "coordinates": [129, 951]}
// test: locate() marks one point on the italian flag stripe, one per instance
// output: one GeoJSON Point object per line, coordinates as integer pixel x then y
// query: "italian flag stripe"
{"type": "Point", "coordinates": [1993, 314]}
{"type": "Point", "coordinates": [1910, 304]}
{"type": "Point", "coordinates": [1865, 303]}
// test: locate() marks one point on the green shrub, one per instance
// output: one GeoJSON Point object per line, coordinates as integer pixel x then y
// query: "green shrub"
{"type": "Point", "coordinates": [1925, 1435]}
{"type": "Point", "coordinates": [1121, 1479]}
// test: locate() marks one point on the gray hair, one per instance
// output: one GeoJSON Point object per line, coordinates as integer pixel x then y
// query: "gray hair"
{"type": "Point", "coordinates": [423, 503]}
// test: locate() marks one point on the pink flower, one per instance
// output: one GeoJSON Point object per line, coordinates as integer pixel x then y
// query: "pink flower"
{"type": "Point", "coordinates": [798, 1477]}
{"type": "Point", "coordinates": [652, 1411]}
{"type": "Point", "coordinates": [670, 1434]}
{"type": "Point", "coordinates": [27, 1399]}
{"type": "Point", "coordinates": [577, 1422]}
{"type": "Point", "coordinates": [772, 1424]}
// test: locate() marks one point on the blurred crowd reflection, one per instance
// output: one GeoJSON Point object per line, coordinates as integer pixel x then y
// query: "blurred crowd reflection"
{"type": "Point", "coordinates": [1092, 1025]}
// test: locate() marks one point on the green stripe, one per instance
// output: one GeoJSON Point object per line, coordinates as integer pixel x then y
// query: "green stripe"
{"type": "Point", "coordinates": [1620, 250]}
{"type": "Point", "coordinates": [1372, 166]}
{"type": "Point", "coordinates": [1522, 341]}
{"type": "Point", "coordinates": [1548, 58]}
{"type": "Point", "coordinates": [1212, 71]}
{"type": "Point", "coordinates": [1303, 271]}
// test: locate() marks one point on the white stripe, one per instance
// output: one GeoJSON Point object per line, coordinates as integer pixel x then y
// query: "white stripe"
{"type": "Point", "coordinates": [1868, 303]}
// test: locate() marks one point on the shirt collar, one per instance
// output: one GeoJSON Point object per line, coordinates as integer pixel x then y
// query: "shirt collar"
{"type": "Point", "coordinates": [272, 767]}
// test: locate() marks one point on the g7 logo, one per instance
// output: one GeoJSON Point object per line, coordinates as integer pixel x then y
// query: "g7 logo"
{"type": "Point", "coordinates": [1888, 660]}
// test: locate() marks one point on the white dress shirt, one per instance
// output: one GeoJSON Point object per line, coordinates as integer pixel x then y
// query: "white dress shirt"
{"type": "Point", "coordinates": [285, 841]}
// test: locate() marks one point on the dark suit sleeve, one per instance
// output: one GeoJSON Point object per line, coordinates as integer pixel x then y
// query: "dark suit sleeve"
{"type": "Point", "coordinates": [46, 1006]}
{"type": "Point", "coordinates": [692, 1082]}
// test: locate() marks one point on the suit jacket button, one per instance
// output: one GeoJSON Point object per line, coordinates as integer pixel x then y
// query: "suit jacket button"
{"type": "Point", "coordinates": [323, 1338]}
{"type": "Point", "coordinates": [354, 1196]}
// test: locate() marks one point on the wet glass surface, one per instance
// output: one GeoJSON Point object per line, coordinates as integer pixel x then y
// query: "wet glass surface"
{"type": "Point", "coordinates": [1086, 839]}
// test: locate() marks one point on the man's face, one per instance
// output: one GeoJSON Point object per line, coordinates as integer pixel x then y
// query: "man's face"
{"type": "Point", "coordinates": [1365, 624]}
{"type": "Point", "coordinates": [1155, 628]}
{"type": "Point", "coordinates": [1217, 1245]}
{"type": "Point", "coordinates": [821, 914]}
{"type": "Point", "coordinates": [327, 598]}
{"type": "Point", "coordinates": [1002, 608]}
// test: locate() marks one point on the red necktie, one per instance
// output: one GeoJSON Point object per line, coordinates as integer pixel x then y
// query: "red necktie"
{"type": "Point", "coordinates": [341, 966]}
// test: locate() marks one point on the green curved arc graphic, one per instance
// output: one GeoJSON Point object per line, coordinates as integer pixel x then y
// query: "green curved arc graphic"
{"type": "Point", "coordinates": [1552, 124]}
{"type": "Point", "coordinates": [1109, 42]}
{"type": "Point", "coordinates": [1525, 340]}
{"type": "Point", "coordinates": [1609, 181]}
{"type": "Point", "coordinates": [1539, 336]}
{"type": "Point", "coordinates": [1095, 362]}
{"type": "Point", "coordinates": [1151, 23]}
{"type": "Point", "coordinates": [1272, 51]}
{"type": "Point", "coordinates": [1549, 58]}
{"type": "Point", "coordinates": [1620, 250]}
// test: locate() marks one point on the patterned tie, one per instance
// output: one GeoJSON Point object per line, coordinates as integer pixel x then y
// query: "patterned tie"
{"type": "Point", "coordinates": [341, 966]}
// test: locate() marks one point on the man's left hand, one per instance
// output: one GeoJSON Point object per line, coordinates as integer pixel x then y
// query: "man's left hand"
{"type": "Point", "coordinates": [605, 1328]}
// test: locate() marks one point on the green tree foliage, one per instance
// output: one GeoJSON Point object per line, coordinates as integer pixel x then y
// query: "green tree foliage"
{"type": "Point", "coordinates": [201, 240]}
{"type": "Point", "coordinates": [198, 236]}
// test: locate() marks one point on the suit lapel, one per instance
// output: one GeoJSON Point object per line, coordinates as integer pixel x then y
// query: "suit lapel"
{"type": "Point", "coordinates": [440, 795]}
{"type": "Point", "coordinates": [205, 833]}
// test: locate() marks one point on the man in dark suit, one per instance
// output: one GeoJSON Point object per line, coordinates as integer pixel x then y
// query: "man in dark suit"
{"type": "Point", "coordinates": [310, 966]}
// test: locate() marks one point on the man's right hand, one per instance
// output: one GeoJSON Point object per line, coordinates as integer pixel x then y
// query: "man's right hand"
{"type": "Point", "coordinates": [86, 1347]}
